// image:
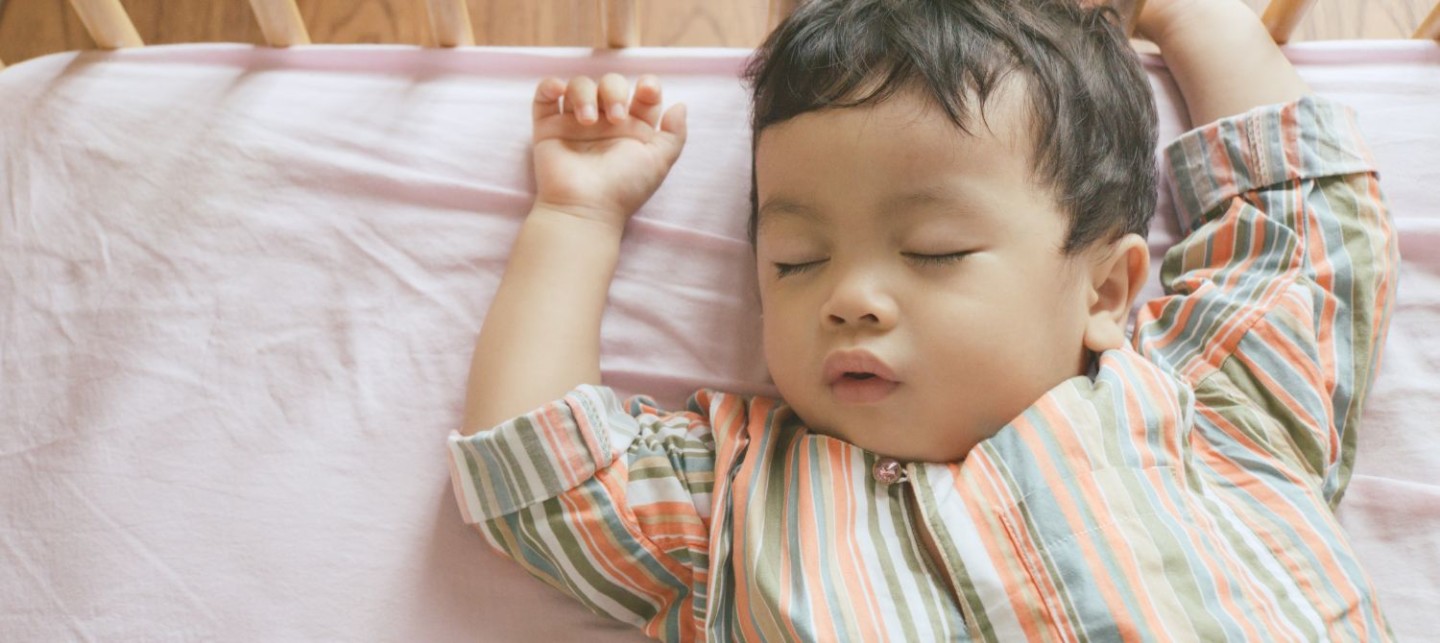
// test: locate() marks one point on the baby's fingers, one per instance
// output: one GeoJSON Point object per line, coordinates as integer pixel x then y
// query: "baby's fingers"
{"type": "Point", "coordinates": [646, 104]}
{"type": "Point", "coordinates": [547, 98]}
{"type": "Point", "coordinates": [580, 100]}
{"type": "Point", "coordinates": [614, 97]}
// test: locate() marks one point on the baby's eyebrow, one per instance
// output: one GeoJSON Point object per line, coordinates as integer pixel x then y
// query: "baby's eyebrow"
{"type": "Point", "coordinates": [778, 206]}
{"type": "Point", "coordinates": [899, 200]}
{"type": "Point", "coordinates": [914, 199]}
{"type": "Point", "coordinates": [899, 203]}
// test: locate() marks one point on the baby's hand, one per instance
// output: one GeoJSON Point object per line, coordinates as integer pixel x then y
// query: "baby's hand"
{"type": "Point", "coordinates": [1156, 17]}
{"type": "Point", "coordinates": [1148, 18]}
{"type": "Point", "coordinates": [599, 155]}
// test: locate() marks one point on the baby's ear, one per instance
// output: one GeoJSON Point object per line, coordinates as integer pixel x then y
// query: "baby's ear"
{"type": "Point", "coordinates": [1117, 272]}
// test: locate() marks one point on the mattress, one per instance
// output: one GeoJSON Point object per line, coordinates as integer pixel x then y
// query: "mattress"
{"type": "Point", "coordinates": [240, 286]}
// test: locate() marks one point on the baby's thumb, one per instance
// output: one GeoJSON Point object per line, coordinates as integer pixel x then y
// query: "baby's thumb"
{"type": "Point", "coordinates": [673, 123]}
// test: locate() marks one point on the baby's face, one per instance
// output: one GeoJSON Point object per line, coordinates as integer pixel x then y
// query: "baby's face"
{"type": "Point", "coordinates": [914, 292]}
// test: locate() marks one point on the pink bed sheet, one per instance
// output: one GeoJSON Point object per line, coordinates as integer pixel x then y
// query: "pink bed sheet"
{"type": "Point", "coordinates": [239, 289]}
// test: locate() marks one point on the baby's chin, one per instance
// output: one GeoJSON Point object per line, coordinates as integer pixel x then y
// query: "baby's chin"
{"type": "Point", "coordinates": [917, 444]}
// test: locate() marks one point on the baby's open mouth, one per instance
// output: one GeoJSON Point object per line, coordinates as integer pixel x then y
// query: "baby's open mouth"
{"type": "Point", "coordinates": [858, 377]}
{"type": "Point", "coordinates": [861, 387]}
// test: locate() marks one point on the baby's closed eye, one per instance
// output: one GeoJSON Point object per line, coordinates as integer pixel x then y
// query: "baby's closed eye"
{"type": "Point", "coordinates": [787, 269]}
{"type": "Point", "coordinates": [936, 259]}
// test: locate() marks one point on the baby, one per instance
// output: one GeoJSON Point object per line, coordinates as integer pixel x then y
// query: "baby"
{"type": "Point", "coordinates": [949, 205]}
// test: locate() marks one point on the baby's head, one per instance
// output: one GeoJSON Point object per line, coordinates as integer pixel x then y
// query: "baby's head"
{"type": "Point", "coordinates": [949, 205]}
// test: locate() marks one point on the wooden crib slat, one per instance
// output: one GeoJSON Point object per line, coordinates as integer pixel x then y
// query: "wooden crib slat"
{"type": "Point", "coordinates": [450, 21]}
{"type": "Point", "coordinates": [1281, 17]}
{"type": "Point", "coordinates": [107, 23]}
{"type": "Point", "coordinates": [280, 22]}
{"type": "Point", "coordinates": [1430, 28]}
{"type": "Point", "coordinates": [621, 22]}
{"type": "Point", "coordinates": [780, 10]}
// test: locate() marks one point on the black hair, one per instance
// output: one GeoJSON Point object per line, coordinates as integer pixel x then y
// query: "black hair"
{"type": "Point", "coordinates": [1093, 121]}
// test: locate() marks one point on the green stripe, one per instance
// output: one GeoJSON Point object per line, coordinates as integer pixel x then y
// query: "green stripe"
{"type": "Point", "coordinates": [883, 553]}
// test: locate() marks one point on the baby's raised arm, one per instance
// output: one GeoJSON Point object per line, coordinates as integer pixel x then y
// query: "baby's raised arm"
{"type": "Point", "coordinates": [1278, 299]}
{"type": "Point", "coordinates": [599, 155]}
{"type": "Point", "coordinates": [603, 499]}
{"type": "Point", "coordinates": [1220, 55]}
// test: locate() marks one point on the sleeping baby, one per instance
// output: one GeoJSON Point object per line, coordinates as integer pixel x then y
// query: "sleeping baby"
{"type": "Point", "coordinates": [949, 207]}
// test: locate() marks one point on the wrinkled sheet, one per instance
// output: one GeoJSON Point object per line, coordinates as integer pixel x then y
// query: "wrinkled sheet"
{"type": "Point", "coordinates": [239, 290]}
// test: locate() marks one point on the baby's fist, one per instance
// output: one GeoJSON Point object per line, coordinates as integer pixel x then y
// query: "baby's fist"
{"type": "Point", "coordinates": [600, 152]}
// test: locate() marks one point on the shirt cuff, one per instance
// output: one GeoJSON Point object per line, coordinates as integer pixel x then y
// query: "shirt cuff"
{"type": "Point", "coordinates": [539, 455]}
{"type": "Point", "coordinates": [1309, 138]}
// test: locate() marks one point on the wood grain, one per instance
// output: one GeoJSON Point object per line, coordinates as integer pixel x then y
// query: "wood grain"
{"type": "Point", "coordinates": [450, 24]}
{"type": "Point", "coordinates": [281, 23]}
{"type": "Point", "coordinates": [30, 28]}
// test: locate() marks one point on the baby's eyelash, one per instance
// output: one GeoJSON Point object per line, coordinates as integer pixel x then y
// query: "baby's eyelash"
{"type": "Point", "coordinates": [949, 257]}
{"type": "Point", "coordinates": [786, 269]}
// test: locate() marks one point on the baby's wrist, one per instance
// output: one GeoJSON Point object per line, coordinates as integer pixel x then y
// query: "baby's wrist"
{"type": "Point", "coordinates": [1160, 21]}
{"type": "Point", "coordinates": [599, 220]}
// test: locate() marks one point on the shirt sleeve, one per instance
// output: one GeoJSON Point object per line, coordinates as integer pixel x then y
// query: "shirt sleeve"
{"type": "Point", "coordinates": [606, 501]}
{"type": "Point", "coordinates": [1279, 297]}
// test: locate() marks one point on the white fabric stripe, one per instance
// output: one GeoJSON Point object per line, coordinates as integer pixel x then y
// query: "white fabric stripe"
{"type": "Point", "coordinates": [539, 523]}
{"type": "Point", "coordinates": [862, 510]}
{"type": "Point", "coordinates": [654, 490]}
{"type": "Point", "coordinates": [983, 574]}
{"type": "Point", "coordinates": [1142, 595]}
{"type": "Point", "coordinates": [513, 440]}
{"type": "Point", "coordinates": [909, 583]}
{"type": "Point", "coordinates": [1238, 525]}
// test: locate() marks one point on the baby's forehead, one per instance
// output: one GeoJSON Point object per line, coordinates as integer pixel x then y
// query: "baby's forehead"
{"type": "Point", "coordinates": [902, 142]}
{"type": "Point", "coordinates": [1000, 124]}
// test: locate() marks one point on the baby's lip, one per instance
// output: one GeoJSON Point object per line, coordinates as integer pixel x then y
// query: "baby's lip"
{"type": "Point", "coordinates": [841, 362]}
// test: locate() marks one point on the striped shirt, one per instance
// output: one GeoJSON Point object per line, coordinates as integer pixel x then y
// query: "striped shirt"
{"type": "Point", "coordinates": [1183, 492]}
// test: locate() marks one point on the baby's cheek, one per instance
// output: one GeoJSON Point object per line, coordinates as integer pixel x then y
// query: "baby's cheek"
{"type": "Point", "coordinates": [777, 349]}
{"type": "Point", "coordinates": [785, 357]}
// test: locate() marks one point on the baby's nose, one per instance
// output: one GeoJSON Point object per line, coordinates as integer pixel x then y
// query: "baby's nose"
{"type": "Point", "coordinates": [867, 318]}
{"type": "Point", "coordinates": [859, 303]}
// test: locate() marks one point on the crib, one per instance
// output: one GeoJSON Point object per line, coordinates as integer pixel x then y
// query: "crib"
{"type": "Point", "coordinates": [241, 286]}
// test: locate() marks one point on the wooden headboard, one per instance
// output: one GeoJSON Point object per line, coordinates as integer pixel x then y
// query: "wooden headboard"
{"type": "Point", "coordinates": [451, 24]}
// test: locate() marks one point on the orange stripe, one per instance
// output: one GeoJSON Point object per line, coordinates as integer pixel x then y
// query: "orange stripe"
{"type": "Point", "coordinates": [1276, 340]}
{"type": "Point", "coordinates": [739, 541]}
{"type": "Point", "coordinates": [853, 571]}
{"type": "Point", "coordinates": [1154, 390]}
{"type": "Point", "coordinates": [1232, 584]}
{"type": "Point", "coordinates": [1279, 509]}
{"type": "Point", "coordinates": [755, 626]}
{"type": "Point", "coordinates": [1210, 530]}
{"type": "Point", "coordinates": [1003, 540]}
{"type": "Point", "coordinates": [670, 523]}
{"type": "Point", "coordinates": [811, 532]}
{"type": "Point", "coordinates": [1221, 165]}
{"type": "Point", "coordinates": [609, 558]}
{"type": "Point", "coordinates": [1294, 160]}
{"type": "Point", "coordinates": [785, 598]}
{"type": "Point", "coordinates": [1275, 503]}
{"type": "Point", "coordinates": [1096, 501]}
{"type": "Point", "coordinates": [1055, 481]}
{"type": "Point", "coordinates": [573, 463]}
{"type": "Point", "coordinates": [1222, 241]}
{"type": "Point", "coordinates": [1226, 336]}
{"type": "Point", "coordinates": [1325, 334]}
{"type": "Point", "coordinates": [1226, 333]}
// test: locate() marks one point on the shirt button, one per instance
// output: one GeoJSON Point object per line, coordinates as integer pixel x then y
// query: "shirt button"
{"type": "Point", "coordinates": [889, 471]}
